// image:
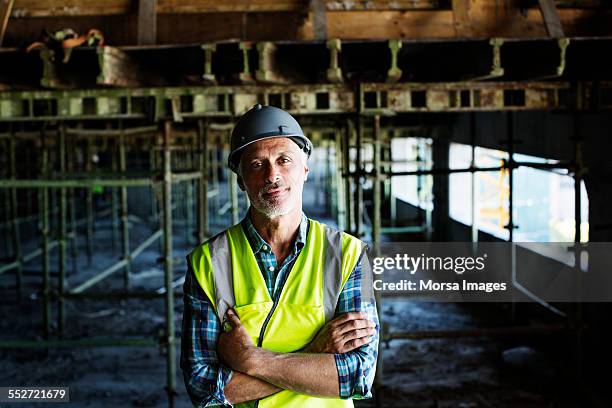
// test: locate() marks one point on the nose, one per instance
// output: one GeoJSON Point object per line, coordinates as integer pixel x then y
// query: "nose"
{"type": "Point", "coordinates": [272, 173]}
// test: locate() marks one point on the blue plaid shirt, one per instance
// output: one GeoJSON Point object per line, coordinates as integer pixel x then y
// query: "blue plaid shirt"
{"type": "Point", "coordinates": [206, 378]}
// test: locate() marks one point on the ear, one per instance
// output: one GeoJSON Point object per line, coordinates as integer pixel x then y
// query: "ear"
{"type": "Point", "coordinates": [306, 170]}
{"type": "Point", "coordinates": [241, 183]}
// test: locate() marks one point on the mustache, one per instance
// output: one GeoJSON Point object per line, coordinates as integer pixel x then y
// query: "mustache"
{"type": "Point", "coordinates": [273, 186]}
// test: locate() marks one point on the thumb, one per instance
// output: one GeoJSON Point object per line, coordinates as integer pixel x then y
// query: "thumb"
{"type": "Point", "coordinates": [232, 317]}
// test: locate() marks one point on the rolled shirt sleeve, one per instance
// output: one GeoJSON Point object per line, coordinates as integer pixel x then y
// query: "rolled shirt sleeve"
{"type": "Point", "coordinates": [205, 377]}
{"type": "Point", "coordinates": [356, 369]}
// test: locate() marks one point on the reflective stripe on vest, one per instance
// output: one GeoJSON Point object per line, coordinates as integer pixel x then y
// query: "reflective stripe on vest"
{"type": "Point", "coordinates": [227, 271]}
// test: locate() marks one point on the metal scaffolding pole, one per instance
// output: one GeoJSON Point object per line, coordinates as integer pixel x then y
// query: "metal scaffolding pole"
{"type": "Point", "coordinates": [215, 175]}
{"type": "Point", "coordinates": [202, 203]}
{"type": "Point", "coordinates": [88, 205]}
{"type": "Point", "coordinates": [474, 175]}
{"type": "Point", "coordinates": [125, 223]}
{"type": "Point", "coordinates": [168, 272]}
{"type": "Point", "coordinates": [114, 201]}
{"type": "Point", "coordinates": [376, 236]}
{"type": "Point", "coordinates": [339, 182]}
{"type": "Point", "coordinates": [16, 236]}
{"type": "Point", "coordinates": [43, 195]}
{"type": "Point", "coordinates": [346, 170]}
{"type": "Point", "coordinates": [358, 181]}
{"type": "Point", "coordinates": [62, 231]}
{"type": "Point", "coordinates": [70, 141]}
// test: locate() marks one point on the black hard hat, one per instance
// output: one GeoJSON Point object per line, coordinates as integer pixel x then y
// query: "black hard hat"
{"type": "Point", "coordinates": [264, 122]}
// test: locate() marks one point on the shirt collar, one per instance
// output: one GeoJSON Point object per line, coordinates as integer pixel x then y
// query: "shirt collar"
{"type": "Point", "coordinates": [258, 243]}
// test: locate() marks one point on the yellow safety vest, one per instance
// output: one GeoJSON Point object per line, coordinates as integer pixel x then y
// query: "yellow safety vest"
{"type": "Point", "coordinates": [226, 269]}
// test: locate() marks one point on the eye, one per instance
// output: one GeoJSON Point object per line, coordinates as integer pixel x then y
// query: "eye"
{"type": "Point", "coordinates": [255, 165]}
{"type": "Point", "coordinates": [284, 160]}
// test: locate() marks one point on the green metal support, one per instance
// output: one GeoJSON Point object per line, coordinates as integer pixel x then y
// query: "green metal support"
{"type": "Point", "coordinates": [202, 203]}
{"type": "Point", "coordinates": [394, 74]}
{"type": "Point", "coordinates": [334, 72]}
{"type": "Point", "coordinates": [43, 195]}
{"type": "Point", "coordinates": [215, 174]}
{"type": "Point", "coordinates": [348, 182]}
{"type": "Point", "coordinates": [125, 224]}
{"type": "Point", "coordinates": [208, 76]}
{"type": "Point", "coordinates": [89, 211]}
{"type": "Point", "coordinates": [62, 232]}
{"type": "Point", "coordinates": [358, 183]}
{"type": "Point", "coordinates": [72, 205]}
{"type": "Point", "coordinates": [233, 190]}
{"type": "Point", "coordinates": [114, 204]}
{"type": "Point", "coordinates": [168, 271]}
{"type": "Point", "coordinates": [339, 182]}
{"type": "Point", "coordinates": [245, 76]}
{"type": "Point", "coordinates": [16, 236]}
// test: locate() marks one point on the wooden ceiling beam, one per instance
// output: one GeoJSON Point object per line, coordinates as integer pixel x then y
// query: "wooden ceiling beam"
{"type": "Point", "coordinates": [461, 15]}
{"type": "Point", "coordinates": [552, 22]}
{"type": "Point", "coordinates": [147, 22]}
{"type": "Point", "coordinates": [5, 12]}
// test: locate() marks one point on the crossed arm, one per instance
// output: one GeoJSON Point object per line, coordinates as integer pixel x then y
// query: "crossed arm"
{"type": "Point", "coordinates": [336, 363]}
{"type": "Point", "coordinates": [312, 371]}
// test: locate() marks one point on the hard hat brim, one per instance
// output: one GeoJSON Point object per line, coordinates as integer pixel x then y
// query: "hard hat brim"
{"type": "Point", "coordinates": [233, 160]}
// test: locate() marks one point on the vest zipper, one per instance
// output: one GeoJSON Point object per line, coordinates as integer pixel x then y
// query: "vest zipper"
{"type": "Point", "coordinates": [265, 324]}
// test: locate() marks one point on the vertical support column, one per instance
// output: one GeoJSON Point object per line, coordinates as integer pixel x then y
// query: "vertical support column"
{"type": "Point", "coordinates": [358, 181]}
{"type": "Point", "coordinates": [43, 197]}
{"type": "Point", "coordinates": [339, 191]}
{"type": "Point", "coordinates": [578, 315]}
{"type": "Point", "coordinates": [168, 264]}
{"type": "Point", "coordinates": [203, 182]}
{"type": "Point", "coordinates": [71, 145]}
{"type": "Point", "coordinates": [474, 175]}
{"type": "Point", "coordinates": [511, 165]}
{"type": "Point", "coordinates": [62, 231]}
{"type": "Point", "coordinates": [233, 187]}
{"type": "Point", "coordinates": [16, 236]}
{"type": "Point", "coordinates": [440, 215]}
{"type": "Point", "coordinates": [510, 226]}
{"type": "Point", "coordinates": [329, 180]}
{"type": "Point", "coordinates": [215, 175]}
{"type": "Point", "coordinates": [346, 170]}
{"type": "Point", "coordinates": [125, 226]}
{"type": "Point", "coordinates": [89, 204]}
{"type": "Point", "coordinates": [114, 204]}
{"type": "Point", "coordinates": [376, 236]}
{"type": "Point", "coordinates": [377, 187]}
{"type": "Point", "coordinates": [153, 187]}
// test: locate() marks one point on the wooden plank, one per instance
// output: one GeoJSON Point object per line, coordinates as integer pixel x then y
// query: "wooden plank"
{"type": "Point", "coordinates": [147, 22]}
{"type": "Point", "coordinates": [461, 15]}
{"type": "Point", "coordinates": [5, 12]}
{"type": "Point", "coordinates": [319, 19]}
{"type": "Point", "coordinates": [552, 22]}
{"type": "Point", "coordinates": [200, 28]}
{"type": "Point", "coordinates": [239, 6]}
{"type": "Point", "coordinates": [390, 24]}
{"type": "Point", "coordinates": [49, 8]}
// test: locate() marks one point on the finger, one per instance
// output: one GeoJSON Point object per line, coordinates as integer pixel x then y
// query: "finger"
{"type": "Point", "coordinates": [232, 317]}
{"type": "Point", "coordinates": [353, 325]}
{"type": "Point", "coordinates": [355, 344]}
{"type": "Point", "coordinates": [349, 316]}
{"type": "Point", "coordinates": [358, 334]}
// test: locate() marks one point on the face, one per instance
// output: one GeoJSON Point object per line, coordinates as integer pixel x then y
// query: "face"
{"type": "Point", "coordinates": [273, 172]}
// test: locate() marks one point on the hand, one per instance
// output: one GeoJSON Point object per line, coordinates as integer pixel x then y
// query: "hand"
{"type": "Point", "coordinates": [343, 334]}
{"type": "Point", "coordinates": [235, 347]}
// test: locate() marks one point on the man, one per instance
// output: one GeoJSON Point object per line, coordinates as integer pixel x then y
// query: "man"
{"type": "Point", "coordinates": [279, 309]}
